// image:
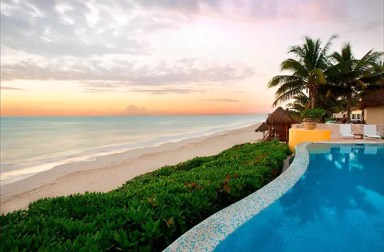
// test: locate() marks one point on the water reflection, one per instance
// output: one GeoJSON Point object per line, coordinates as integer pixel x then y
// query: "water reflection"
{"type": "Point", "coordinates": [340, 180]}
{"type": "Point", "coordinates": [338, 203]}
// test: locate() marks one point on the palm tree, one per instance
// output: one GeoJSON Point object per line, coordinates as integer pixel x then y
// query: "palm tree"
{"type": "Point", "coordinates": [307, 71]}
{"type": "Point", "coordinates": [345, 76]}
{"type": "Point", "coordinates": [299, 104]}
{"type": "Point", "coordinates": [375, 79]}
{"type": "Point", "coordinates": [325, 100]}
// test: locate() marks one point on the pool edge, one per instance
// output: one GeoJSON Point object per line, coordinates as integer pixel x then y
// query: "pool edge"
{"type": "Point", "coordinates": [206, 235]}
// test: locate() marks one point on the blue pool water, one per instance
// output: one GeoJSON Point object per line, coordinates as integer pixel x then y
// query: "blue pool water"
{"type": "Point", "coordinates": [337, 205]}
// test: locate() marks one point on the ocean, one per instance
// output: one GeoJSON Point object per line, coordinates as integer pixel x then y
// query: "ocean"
{"type": "Point", "coordinates": [34, 144]}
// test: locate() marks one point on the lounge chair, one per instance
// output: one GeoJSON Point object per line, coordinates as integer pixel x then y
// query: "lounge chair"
{"type": "Point", "coordinates": [371, 131]}
{"type": "Point", "coordinates": [345, 130]}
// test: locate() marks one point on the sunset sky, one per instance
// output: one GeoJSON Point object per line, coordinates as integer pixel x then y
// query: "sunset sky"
{"type": "Point", "coordinates": [166, 57]}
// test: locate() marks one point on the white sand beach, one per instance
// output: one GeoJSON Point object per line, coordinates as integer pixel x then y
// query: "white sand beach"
{"type": "Point", "coordinates": [109, 172]}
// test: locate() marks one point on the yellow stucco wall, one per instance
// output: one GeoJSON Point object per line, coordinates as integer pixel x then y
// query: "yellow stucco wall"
{"type": "Point", "coordinates": [374, 115]}
{"type": "Point", "coordinates": [297, 136]}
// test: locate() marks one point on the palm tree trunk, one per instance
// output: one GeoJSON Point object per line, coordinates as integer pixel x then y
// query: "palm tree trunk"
{"type": "Point", "coordinates": [313, 103]}
{"type": "Point", "coordinates": [349, 101]}
{"type": "Point", "coordinates": [312, 96]}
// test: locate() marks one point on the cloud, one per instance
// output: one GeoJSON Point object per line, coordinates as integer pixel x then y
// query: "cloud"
{"type": "Point", "coordinates": [361, 13]}
{"type": "Point", "coordinates": [10, 88]}
{"type": "Point", "coordinates": [165, 91]}
{"type": "Point", "coordinates": [83, 28]}
{"type": "Point", "coordinates": [98, 72]}
{"type": "Point", "coordinates": [119, 87]}
{"type": "Point", "coordinates": [103, 43]}
{"type": "Point", "coordinates": [96, 90]}
{"type": "Point", "coordinates": [185, 6]}
{"type": "Point", "coordinates": [220, 100]}
{"type": "Point", "coordinates": [134, 110]}
{"type": "Point", "coordinates": [80, 28]}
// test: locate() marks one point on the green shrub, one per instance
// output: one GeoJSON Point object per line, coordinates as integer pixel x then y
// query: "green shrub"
{"type": "Point", "coordinates": [148, 212]}
{"type": "Point", "coordinates": [313, 114]}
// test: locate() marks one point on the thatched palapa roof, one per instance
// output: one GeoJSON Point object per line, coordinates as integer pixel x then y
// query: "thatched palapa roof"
{"type": "Point", "coordinates": [373, 98]}
{"type": "Point", "coordinates": [262, 127]}
{"type": "Point", "coordinates": [280, 116]}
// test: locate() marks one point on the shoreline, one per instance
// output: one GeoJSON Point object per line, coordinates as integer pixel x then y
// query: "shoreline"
{"type": "Point", "coordinates": [108, 172]}
{"type": "Point", "coordinates": [22, 168]}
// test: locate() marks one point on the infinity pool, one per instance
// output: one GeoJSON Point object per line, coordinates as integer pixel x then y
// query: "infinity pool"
{"type": "Point", "coordinates": [337, 205]}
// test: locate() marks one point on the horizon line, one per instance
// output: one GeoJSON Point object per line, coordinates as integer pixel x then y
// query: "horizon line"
{"type": "Point", "coordinates": [139, 115]}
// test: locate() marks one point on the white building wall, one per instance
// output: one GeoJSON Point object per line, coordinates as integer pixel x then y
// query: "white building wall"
{"type": "Point", "coordinates": [374, 115]}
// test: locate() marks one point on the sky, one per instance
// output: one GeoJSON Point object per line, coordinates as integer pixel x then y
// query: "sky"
{"type": "Point", "coordinates": [169, 57]}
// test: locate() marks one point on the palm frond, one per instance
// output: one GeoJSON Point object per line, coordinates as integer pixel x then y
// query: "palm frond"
{"type": "Point", "coordinates": [295, 66]}
{"type": "Point", "coordinates": [281, 79]}
{"type": "Point", "coordinates": [369, 59]}
{"type": "Point", "coordinates": [288, 86]}
{"type": "Point", "coordinates": [322, 61]}
{"type": "Point", "coordinates": [286, 96]}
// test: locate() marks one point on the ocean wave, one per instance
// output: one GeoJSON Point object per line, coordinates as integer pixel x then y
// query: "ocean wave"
{"type": "Point", "coordinates": [147, 134]}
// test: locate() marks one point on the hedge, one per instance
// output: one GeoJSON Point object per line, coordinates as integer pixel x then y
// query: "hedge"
{"type": "Point", "coordinates": [148, 212]}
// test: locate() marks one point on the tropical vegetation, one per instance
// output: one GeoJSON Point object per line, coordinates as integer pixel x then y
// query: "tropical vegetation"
{"type": "Point", "coordinates": [148, 212]}
{"type": "Point", "coordinates": [307, 71]}
{"type": "Point", "coordinates": [332, 81]}
{"type": "Point", "coordinates": [313, 114]}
